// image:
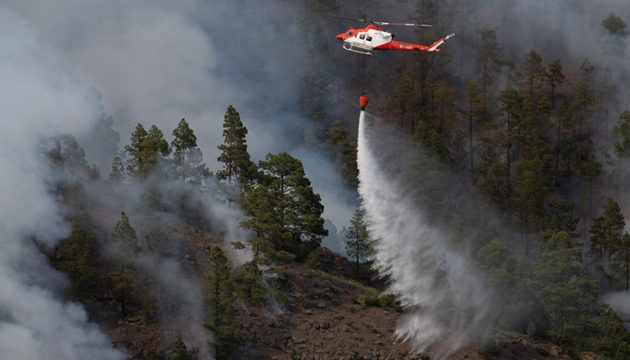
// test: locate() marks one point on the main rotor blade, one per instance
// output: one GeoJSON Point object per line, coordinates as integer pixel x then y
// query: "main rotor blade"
{"type": "Point", "coordinates": [345, 18]}
{"type": "Point", "coordinates": [385, 23]}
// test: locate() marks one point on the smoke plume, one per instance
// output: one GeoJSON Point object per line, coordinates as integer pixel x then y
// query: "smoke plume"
{"type": "Point", "coordinates": [38, 99]}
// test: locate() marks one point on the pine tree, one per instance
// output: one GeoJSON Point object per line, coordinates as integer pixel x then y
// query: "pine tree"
{"type": "Point", "coordinates": [258, 204]}
{"type": "Point", "coordinates": [146, 150]}
{"type": "Point", "coordinates": [220, 295]}
{"type": "Point", "coordinates": [184, 137]}
{"type": "Point", "coordinates": [343, 152]}
{"type": "Point", "coordinates": [124, 235]}
{"type": "Point", "coordinates": [405, 100]}
{"type": "Point", "coordinates": [297, 209]}
{"type": "Point", "coordinates": [76, 255]}
{"type": "Point", "coordinates": [564, 290]}
{"type": "Point", "coordinates": [491, 171]}
{"type": "Point", "coordinates": [180, 351]}
{"type": "Point", "coordinates": [136, 165]}
{"type": "Point", "coordinates": [488, 62]}
{"type": "Point", "coordinates": [118, 170]}
{"type": "Point", "coordinates": [622, 131]}
{"type": "Point", "coordinates": [160, 145]}
{"type": "Point", "coordinates": [621, 260]}
{"type": "Point", "coordinates": [511, 108]}
{"type": "Point", "coordinates": [607, 229]}
{"type": "Point", "coordinates": [555, 79]}
{"type": "Point", "coordinates": [234, 155]}
{"type": "Point", "coordinates": [476, 109]}
{"type": "Point", "coordinates": [126, 243]}
{"type": "Point", "coordinates": [444, 102]}
{"type": "Point", "coordinates": [615, 25]}
{"type": "Point", "coordinates": [187, 155]}
{"type": "Point", "coordinates": [534, 73]}
{"type": "Point", "coordinates": [358, 244]}
{"type": "Point", "coordinates": [534, 169]}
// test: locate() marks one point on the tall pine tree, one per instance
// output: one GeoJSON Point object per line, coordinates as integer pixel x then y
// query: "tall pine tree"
{"type": "Point", "coordinates": [234, 156]}
{"type": "Point", "coordinates": [222, 310]}
{"type": "Point", "coordinates": [187, 155]}
{"type": "Point", "coordinates": [358, 244]}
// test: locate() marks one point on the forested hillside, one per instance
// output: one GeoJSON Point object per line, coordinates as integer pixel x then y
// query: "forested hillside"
{"type": "Point", "coordinates": [194, 181]}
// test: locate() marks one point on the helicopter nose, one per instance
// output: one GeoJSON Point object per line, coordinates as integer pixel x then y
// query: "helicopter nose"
{"type": "Point", "coordinates": [340, 37]}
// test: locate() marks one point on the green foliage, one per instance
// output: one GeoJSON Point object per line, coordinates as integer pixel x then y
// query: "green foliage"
{"type": "Point", "coordinates": [249, 284]}
{"type": "Point", "coordinates": [615, 25]}
{"type": "Point", "coordinates": [564, 290]}
{"type": "Point", "coordinates": [122, 282]}
{"type": "Point", "coordinates": [184, 137]}
{"type": "Point", "coordinates": [187, 156]}
{"type": "Point", "coordinates": [487, 62]}
{"type": "Point", "coordinates": [621, 261]}
{"type": "Point", "coordinates": [386, 301]}
{"type": "Point", "coordinates": [68, 153]}
{"type": "Point", "coordinates": [312, 262]}
{"type": "Point", "coordinates": [76, 255]}
{"type": "Point", "coordinates": [509, 285]}
{"type": "Point", "coordinates": [343, 152]}
{"type": "Point", "coordinates": [221, 297]}
{"type": "Point", "coordinates": [146, 150]}
{"type": "Point", "coordinates": [433, 131]}
{"type": "Point", "coordinates": [533, 74]}
{"type": "Point", "coordinates": [555, 78]}
{"type": "Point", "coordinates": [607, 229]}
{"type": "Point", "coordinates": [623, 351]}
{"type": "Point", "coordinates": [622, 131]}
{"type": "Point", "coordinates": [180, 351]}
{"type": "Point", "coordinates": [124, 236]}
{"type": "Point", "coordinates": [605, 332]}
{"type": "Point", "coordinates": [476, 113]}
{"type": "Point", "coordinates": [358, 243]}
{"type": "Point", "coordinates": [234, 155]}
{"type": "Point", "coordinates": [125, 243]}
{"type": "Point", "coordinates": [118, 170]}
{"type": "Point", "coordinates": [491, 172]}
{"type": "Point", "coordinates": [286, 213]}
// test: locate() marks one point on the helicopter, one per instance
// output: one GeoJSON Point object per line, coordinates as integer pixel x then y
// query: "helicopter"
{"type": "Point", "coordinates": [365, 41]}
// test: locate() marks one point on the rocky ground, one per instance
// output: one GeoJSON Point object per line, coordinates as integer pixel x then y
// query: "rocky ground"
{"type": "Point", "coordinates": [323, 314]}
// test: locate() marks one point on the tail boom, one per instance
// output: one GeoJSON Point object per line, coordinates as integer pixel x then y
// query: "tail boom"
{"type": "Point", "coordinates": [397, 45]}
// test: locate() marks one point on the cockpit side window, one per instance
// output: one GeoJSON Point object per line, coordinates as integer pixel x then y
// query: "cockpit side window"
{"type": "Point", "coordinates": [369, 38]}
{"type": "Point", "coordinates": [361, 36]}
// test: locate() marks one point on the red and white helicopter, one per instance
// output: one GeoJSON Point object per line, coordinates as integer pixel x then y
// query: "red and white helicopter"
{"type": "Point", "coordinates": [366, 40]}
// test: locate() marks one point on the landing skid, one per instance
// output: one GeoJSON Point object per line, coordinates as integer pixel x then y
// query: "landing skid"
{"type": "Point", "coordinates": [357, 49]}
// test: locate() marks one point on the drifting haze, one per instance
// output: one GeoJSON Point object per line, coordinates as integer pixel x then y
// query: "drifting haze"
{"type": "Point", "coordinates": [37, 99]}
{"type": "Point", "coordinates": [155, 62]}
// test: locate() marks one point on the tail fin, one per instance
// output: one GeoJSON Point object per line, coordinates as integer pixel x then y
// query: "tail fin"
{"type": "Point", "coordinates": [435, 45]}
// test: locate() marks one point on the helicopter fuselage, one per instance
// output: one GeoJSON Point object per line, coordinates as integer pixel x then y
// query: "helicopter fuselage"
{"type": "Point", "coordinates": [364, 41]}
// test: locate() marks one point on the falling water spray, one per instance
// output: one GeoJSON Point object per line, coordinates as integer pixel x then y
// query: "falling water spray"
{"type": "Point", "coordinates": [446, 304]}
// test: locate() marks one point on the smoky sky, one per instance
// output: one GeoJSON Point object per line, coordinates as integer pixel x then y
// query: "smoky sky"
{"type": "Point", "coordinates": [155, 62]}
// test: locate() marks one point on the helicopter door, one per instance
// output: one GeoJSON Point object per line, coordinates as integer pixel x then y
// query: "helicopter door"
{"type": "Point", "coordinates": [366, 41]}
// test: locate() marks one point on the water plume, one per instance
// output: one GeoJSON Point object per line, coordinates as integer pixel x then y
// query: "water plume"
{"type": "Point", "coordinates": [446, 305]}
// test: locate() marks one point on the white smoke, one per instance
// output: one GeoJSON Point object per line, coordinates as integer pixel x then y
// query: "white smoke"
{"type": "Point", "coordinates": [38, 99]}
{"type": "Point", "coordinates": [620, 302]}
{"type": "Point", "coordinates": [443, 296]}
